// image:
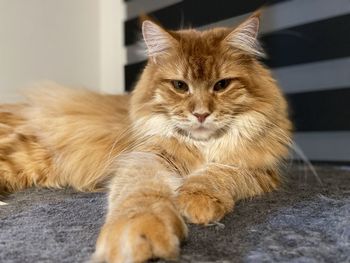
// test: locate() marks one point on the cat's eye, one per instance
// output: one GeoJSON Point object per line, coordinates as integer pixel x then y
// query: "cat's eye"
{"type": "Point", "coordinates": [222, 84]}
{"type": "Point", "coordinates": [180, 85]}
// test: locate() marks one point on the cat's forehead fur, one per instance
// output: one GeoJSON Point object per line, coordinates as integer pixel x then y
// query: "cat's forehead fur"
{"type": "Point", "coordinates": [207, 54]}
{"type": "Point", "coordinates": [201, 55]}
{"type": "Point", "coordinates": [200, 52]}
{"type": "Point", "coordinates": [196, 43]}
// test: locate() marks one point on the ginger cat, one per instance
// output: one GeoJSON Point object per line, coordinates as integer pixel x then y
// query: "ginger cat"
{"type": "Point", "coordinates": [205, 127]}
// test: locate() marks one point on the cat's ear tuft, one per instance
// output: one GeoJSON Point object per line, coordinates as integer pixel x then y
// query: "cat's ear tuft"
{"type": "Point", "coordinates": [245, 36]}
{"type": "Point", "coordinates": [157, 40]}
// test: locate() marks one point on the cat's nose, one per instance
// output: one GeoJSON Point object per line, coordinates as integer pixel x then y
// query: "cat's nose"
{"type": "Point", "coordinates": [201, 116]}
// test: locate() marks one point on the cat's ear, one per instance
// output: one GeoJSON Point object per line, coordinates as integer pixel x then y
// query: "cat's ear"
{"type": "Point", "coordinates": [157, 40]}
{"type": "Point", "coordinates": [245, 36]}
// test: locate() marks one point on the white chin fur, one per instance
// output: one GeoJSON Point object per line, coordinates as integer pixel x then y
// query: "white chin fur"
{"type": "Point", "coordinates": [201, 134]}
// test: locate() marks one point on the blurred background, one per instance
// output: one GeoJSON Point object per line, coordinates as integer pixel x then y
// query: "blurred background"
{"type": "Point", "coordinates": [93, 43]}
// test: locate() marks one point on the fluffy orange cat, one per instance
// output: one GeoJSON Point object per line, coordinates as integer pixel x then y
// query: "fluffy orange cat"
{"type": "Point", "coordinates": [205, 127]}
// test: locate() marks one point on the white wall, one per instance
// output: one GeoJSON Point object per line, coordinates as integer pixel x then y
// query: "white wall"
{"type": "Point", "coordinates": [73, 42]}
{"type": "Point", "coordinates": [112, 50]}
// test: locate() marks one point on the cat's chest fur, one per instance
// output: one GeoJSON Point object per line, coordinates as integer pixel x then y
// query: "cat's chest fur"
{"type": "Point", "coordinates": [219, 150]}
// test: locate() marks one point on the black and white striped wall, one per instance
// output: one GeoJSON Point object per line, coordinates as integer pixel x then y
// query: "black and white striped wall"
{"type": "Point", "coordinates": [308, 43]}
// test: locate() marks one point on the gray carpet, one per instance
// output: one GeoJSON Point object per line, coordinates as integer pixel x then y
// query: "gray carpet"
{"type": "Point", "coordinates": [304, 222]}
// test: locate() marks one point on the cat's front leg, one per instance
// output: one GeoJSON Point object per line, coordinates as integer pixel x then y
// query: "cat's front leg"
{"type": "Point", "coordinates": [210, 193]}
{"type": "Point", "coordinates": [145, 225]}
{"type": "Point", "coordinates": [142, 221]}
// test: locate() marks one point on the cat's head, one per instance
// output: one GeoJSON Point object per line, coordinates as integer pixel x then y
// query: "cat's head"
{"type": "Point", "coordinates": [199, 83]}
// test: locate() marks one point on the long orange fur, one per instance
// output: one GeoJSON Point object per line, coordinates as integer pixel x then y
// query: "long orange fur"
{"type": "Point", "coordinates": [160, 163]}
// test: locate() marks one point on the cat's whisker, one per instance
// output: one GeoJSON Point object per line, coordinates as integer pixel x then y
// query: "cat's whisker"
{"type": "Point", "coordinates": [128, 147]}
{"type": "Point", "coordinates": [306, 161]}
{"type": "Point", "coordinates": [293, 146]}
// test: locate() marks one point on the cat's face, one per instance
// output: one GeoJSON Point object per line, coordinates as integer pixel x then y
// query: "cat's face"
{"type": "Point", "coordinates": [201, 89]}
{"type": "Point", "coordinates": [197, 83]}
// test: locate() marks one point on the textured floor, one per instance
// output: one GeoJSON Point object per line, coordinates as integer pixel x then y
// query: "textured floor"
{"type": "Point", "coordinates": [304, 222]}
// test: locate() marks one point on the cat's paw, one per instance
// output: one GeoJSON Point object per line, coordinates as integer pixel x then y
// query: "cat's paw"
{"type": "Point", "coordinates": [140, 237]}
{"type": "Point", "coordinates": [199, 207]}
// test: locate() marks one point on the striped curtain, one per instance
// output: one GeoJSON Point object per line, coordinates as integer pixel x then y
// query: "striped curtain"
{"type": "Point", "coordinates": [308, 47]}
